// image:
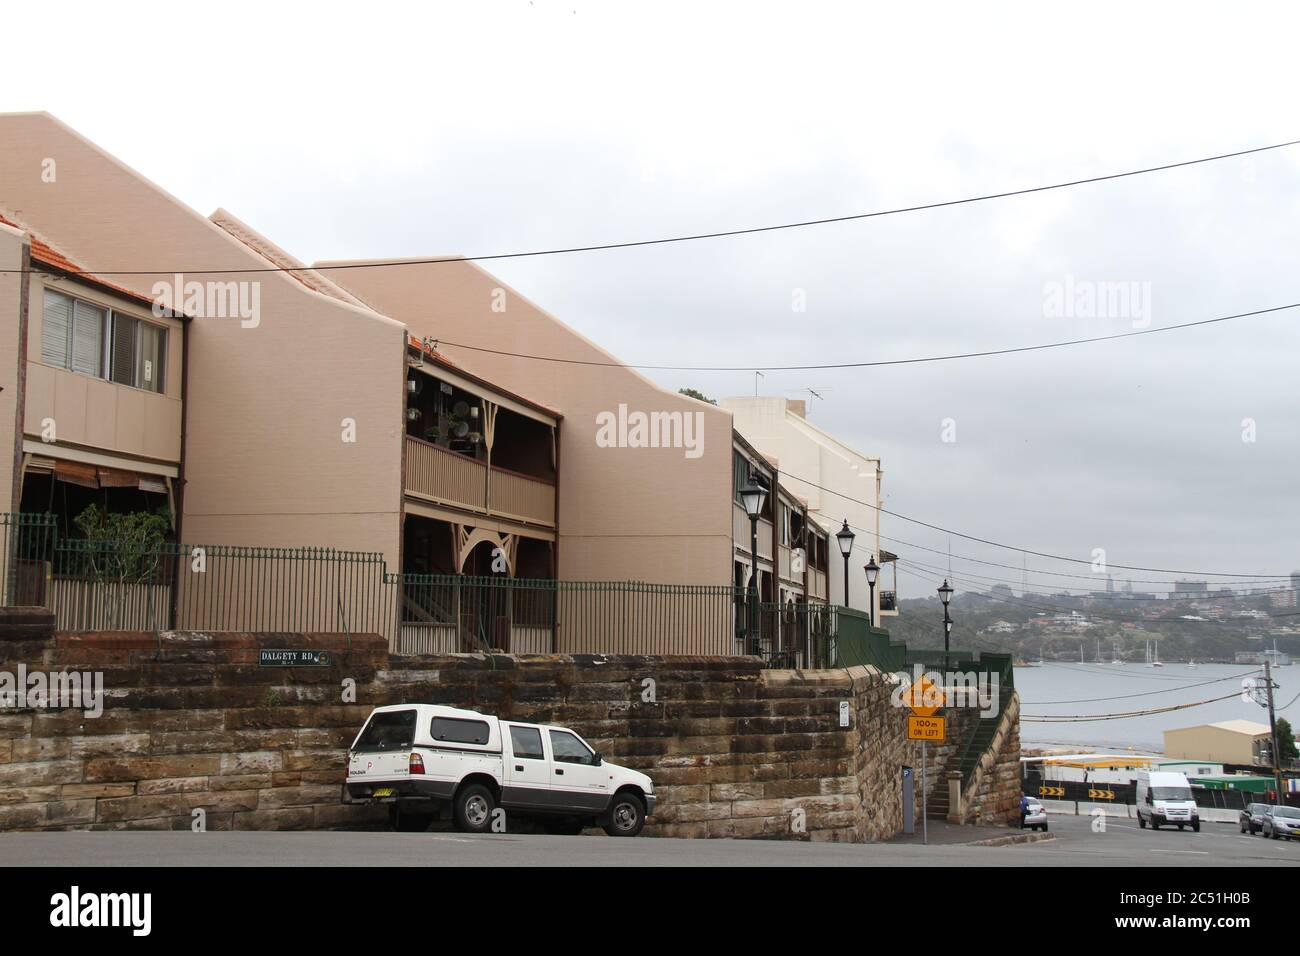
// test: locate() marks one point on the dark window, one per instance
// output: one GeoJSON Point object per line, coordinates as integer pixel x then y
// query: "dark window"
{"type": "Point", "coordinates": [568, 748]}
{"type": "Point", "coordinates": [139, 353]}
{"type": "Point", "coordinates": [527, 742]}
{"type": "Point", "coordinates": [455, 731]}
{"type": "Point", "coordinates": [739, 475]}
{"type": "Point", "coordinates": [388, 730]}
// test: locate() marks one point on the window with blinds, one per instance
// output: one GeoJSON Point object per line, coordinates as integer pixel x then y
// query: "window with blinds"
{"type": "Point", "coordinates": [56, 330]}
{"type": "Point", "coordinates": [74, 337]}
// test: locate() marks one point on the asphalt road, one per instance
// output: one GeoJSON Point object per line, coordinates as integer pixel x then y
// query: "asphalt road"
{"type": "Point", "coordinates": [1123, 844]}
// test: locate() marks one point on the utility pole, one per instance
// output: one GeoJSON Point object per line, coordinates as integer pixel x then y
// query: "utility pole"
{"type": "Point", "coordinates": [1272, 731]}
{"type": "Point", "coordinates": [925, 803]}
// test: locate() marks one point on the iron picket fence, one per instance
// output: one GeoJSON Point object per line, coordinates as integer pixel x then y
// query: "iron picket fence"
{"type": "Point", "coordinates": [116, 585]}
{"type": "Point", "coordinates": [151, 586]}
{"type": "Point", "coordinates": [462, 613]}
{"type": "Point", "coordinates": [26, 544]}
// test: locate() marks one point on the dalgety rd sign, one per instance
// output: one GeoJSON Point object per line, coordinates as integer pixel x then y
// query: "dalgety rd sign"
{"type": "Point", "coordinates": [292, 658]}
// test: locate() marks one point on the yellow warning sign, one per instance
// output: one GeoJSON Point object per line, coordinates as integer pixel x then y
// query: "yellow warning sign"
{"type": "Point", "coordinates": [1051, 791]}
{"type": "Point", "coordinates": [1100, 794]}
{"type": "Point", "coordinates": [923, 697]}
{"type": "Point", "coordinates": [925, 728]}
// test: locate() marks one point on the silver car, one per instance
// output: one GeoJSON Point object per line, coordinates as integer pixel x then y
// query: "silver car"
{"type": "Point", "coordinates": [1281, 822]}
{"type": "Point", "coordinates": [1035, 817]}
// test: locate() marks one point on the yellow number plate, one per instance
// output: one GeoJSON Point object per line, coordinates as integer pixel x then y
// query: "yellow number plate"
{"type": "Point", "coordinates": [383, 792]}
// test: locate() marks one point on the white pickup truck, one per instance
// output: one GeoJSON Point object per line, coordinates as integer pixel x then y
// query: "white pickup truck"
{"type": "Point", "coordinates": [423, 758]}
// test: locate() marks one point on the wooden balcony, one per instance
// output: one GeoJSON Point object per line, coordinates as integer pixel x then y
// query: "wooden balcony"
{"type": "Point", "coordinates": [740, 533]}
{"type": "Point", "coordinates": [448, 478]}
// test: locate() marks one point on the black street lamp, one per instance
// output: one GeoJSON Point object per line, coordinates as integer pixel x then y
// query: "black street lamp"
{"type": "Point", "coordinates": [845, 537]}
{"type": "Point", "coordinates": [945, 595]}
{"type": "Point", "coordinates": [752, 496]}
{"type": "Point", "coordinates": [872, 570]}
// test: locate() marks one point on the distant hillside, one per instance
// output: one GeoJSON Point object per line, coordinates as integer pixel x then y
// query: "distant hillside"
{"type": "Point", "coordinates": [1059, 626]}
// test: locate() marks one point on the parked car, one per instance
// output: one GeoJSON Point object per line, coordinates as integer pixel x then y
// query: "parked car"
{"type": "Point", "coordinates": [423, 760]}
{"type": "Point", "coordinates": [1251, 817]}
{"type": "Point", "coordinates": [1281, 822]}
{"type": "Point", "coordinates": [1035, 816]}
{"type": "Point", "coordinates": [1165, 797]}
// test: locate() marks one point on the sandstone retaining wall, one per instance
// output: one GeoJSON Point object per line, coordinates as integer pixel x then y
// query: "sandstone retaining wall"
{"type": "Point", "coordinates": [192, 722]}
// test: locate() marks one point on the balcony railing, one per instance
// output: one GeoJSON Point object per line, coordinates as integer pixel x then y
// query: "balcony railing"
{"type": "Point", "coordinates": [449, 478]}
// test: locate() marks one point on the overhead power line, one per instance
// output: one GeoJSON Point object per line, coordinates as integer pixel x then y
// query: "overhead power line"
{"type": "Point", "coordinates": [1145, 693]}
{"type": "Point", "coordinates": [1082, 718]}
{"type": "Point", "coordinates": [1047, 606]}
{"type": "Point", "coordinates": [719, 234]}
{"type": "Point", "coordinates": [951, 357]}
{"type": "Point", "coordinates": [1037, 572]}
{"type": "Point", "coordinates": [1116, 596]}
{"type": "Point", "coordinates": [1039, 554]}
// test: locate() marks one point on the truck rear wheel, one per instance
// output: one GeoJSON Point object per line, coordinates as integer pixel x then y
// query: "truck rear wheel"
{"type": "Point", "coordinates": [626, 816]}
{"type": "Point", "coordinates": [472, 809]}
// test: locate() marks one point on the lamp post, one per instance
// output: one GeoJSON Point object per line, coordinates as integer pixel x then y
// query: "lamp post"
{"type": "Point", "coordinates": [845, 537]}
{"type": "Point", "coordinates": [945, 595]}
{"type": "Point", "coordinates": [752, 496]}
{"type": "Point", "coordinates": [872, 570]}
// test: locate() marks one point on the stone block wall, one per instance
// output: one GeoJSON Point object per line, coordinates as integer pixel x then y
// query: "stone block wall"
{"type": "Point", "coordinates": [192, 722]}
{"type": "Point", "coordinates": [993, 792]}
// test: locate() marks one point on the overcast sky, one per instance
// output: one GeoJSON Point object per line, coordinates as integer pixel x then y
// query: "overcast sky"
{"type": "Point", "coordinates": [346, 130]}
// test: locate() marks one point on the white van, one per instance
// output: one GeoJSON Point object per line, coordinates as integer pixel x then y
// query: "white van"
{"type": "Point", "coordinates": [421, 759]}
{"type": "Point", "coordinates": [1165, 797]}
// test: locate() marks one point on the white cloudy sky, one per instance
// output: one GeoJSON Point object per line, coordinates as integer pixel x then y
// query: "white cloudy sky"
{"type": "Point", "coordinates": [346, 130]}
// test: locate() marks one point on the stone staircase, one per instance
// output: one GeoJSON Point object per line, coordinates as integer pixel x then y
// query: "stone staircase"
{"type": "Point", "coordinates": [967, 756]}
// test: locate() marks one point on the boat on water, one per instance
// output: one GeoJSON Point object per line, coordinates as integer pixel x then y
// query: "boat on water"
{"type": "Point", "coordinates": [1153, 657]}
{"type": "Point", "coordinates": [1191, 665]}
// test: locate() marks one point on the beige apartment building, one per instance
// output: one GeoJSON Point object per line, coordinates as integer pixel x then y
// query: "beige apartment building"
{"type": "Point", "coordinates": [837, 483]}
{"type": "Point", "coordinates": [423, 413]}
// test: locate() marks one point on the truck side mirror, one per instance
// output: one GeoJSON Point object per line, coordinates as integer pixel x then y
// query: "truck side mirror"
{"type": "Point", "coordinates": [596, 759]}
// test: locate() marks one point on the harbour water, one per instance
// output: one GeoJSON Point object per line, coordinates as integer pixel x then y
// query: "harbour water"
{"type": "Point", "coordinates": [1064, 689]}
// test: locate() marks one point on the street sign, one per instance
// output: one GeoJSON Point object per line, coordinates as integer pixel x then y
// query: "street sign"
{"type": "Point", "coordinates": [270, 657]}
{"type": "Point", "coordinates": [925, 728]}
{"type": "Point", "coordinates": [924, 698]}
{"type": "Point", "coordinates": [1051, 791]}
{"type": "Point", "coordinates": [1100, 794]}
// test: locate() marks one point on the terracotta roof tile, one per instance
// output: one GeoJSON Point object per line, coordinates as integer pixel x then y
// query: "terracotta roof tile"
{"type": "Point", "coordinates": [46, 254]}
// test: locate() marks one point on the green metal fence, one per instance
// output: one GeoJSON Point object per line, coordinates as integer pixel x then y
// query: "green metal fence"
{"type": "Point", "coordinates": [119, 585]}
{"type": "Point", "coordinates": [112, 585]}
{"type": "Point", "coordinates": [26, 544]}
{"type": "Point", "coordinates": [790, 634]}
{"type": "Point", "coordinates": [459, 613]}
